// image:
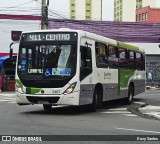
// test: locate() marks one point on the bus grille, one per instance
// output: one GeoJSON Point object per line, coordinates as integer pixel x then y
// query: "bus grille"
{"type": "Point", "coordinates": [37, 100]}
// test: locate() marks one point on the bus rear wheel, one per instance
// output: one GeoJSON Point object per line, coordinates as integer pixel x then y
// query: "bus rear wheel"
{"type": "Point", "coordinates": [47, 107]}
{"type": "Point", "coordinates": [129, 99]}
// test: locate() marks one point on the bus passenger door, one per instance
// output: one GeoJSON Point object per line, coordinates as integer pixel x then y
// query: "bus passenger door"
{"type": "Point", "coordinates": [86, 69]}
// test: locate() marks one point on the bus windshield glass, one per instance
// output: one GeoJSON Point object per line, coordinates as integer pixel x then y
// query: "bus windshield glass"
{"type": "Point", "coordinates": [45, 56]}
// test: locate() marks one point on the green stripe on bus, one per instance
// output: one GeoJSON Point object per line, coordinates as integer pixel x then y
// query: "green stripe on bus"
{"type": "Point", "coordinates": [124, 76]}
{"type": "Point", "coordinates": [127, 46]}
{"type": "Point", "coordinates": [30, 90]}
{"type": "Point", "coordinates": [19, 83]}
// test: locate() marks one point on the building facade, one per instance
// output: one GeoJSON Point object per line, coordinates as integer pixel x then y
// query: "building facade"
{"type": "Point", "coordinates": [86, 9]}
{"type": "Point", "coordinates": [126, 11]}
{"type": "Point", "coordinates": [10, 23]}
{"type": "Point", "coordinates": [148, 14]}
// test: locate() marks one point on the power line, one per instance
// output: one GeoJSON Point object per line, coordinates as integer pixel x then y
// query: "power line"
{"type": "Point", "coordinates": [20, 4]}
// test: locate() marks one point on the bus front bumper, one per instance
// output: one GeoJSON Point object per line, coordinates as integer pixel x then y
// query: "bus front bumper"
{"type": "Point", "coordinates": [27, 99]}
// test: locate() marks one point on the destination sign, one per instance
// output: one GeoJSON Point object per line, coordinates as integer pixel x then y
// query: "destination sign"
{"type": "Point", "coordinates": [50, 37]}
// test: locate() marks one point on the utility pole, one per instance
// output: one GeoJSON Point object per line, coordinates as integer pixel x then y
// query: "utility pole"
{"type": "Point", "coordinates": [44, 10]}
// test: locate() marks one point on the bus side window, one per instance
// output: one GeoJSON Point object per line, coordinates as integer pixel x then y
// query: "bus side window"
{"type": "Point", "coordinates": [123, 61]}
{"type": "Point", "coordinates": [132, 62]}
{"type": "Point", "coordinates": [101, 55]}
{"type": "Point", "coordinates": [139, 61]}
{"type": "Point", "coordinates": [113, 57]}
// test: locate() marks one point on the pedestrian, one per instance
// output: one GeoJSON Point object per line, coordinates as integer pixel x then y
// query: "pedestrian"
{"type": "Point", "coordinates": [150, 79]}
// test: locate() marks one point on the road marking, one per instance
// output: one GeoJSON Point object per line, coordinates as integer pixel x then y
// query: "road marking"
{"type": "Point", "coordinates": [122, 111]}
{"type": "Point", "coordinates": [7, 98]}
{"type": "Point", "coordinates": [118, 109]}
{"type": "Point", "coordinates": [12, 102]}
{"type": "Point", "coordinates": [130, 115]}
{"type": "Point", "coordinates": [3, 100]}
{"type": "Point", "coordinates": [139, 103]}
{"type": "Point", "coordinates": [136, 130]}
{"type": "Point", "coordinates": [7, 95]}
{"type": "Point", "coordinates": [117, 112]}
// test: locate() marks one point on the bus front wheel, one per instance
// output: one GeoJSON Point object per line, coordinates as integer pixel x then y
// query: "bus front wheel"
{"type": "Point", "coordinates": [47, 107]}
{"type": "Point", "coordinates": [97, 101]}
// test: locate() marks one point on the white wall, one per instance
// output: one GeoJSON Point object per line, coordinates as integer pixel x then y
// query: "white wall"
{"type": "Point", "coordinates": [149, 48]}
{"type": "Point", "coordinates": [80, 9]}
{"type": "Point", "coordinates": [6, 26]}
{"type": "Point", "coordinates": [129, 10]}
{"type": "Point", "coordinates": [151, 3]}
{"type": "Point", "coordinates": [96, 9]}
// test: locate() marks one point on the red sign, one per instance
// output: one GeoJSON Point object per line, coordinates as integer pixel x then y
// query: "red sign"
{"type": "Point", "coordinates": [15, 35]}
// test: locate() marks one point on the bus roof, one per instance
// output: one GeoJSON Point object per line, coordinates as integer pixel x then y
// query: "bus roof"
{"type": "Point", "coordinates": [96, 36]}
{"type": "Point", "coordinates": [129, 47]}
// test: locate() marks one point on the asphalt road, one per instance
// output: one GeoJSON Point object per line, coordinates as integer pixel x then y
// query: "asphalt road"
{"type": "Point", "coordinates": [114, 119]}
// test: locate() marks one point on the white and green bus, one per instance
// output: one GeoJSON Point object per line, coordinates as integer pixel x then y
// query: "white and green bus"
{"type": "Point", "coordinates": [74, 67]}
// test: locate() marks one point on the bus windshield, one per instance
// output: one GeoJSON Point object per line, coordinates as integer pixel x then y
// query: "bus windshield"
{"type": "Point", "coordinates": [47, 60]}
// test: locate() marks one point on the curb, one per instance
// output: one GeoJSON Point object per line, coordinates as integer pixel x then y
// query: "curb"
{"type": "Point", "coordinates": [152, 88]}
{"type": "Point", "coordinates": [153, 111]}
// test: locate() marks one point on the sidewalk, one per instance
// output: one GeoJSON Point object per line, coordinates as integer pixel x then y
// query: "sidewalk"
{"type": "Point", "coordinates": [7, 93]}
{"type": "Point", "coordinates": [150, 110]}
{"type": "Point", "coordinates": [152, 88]}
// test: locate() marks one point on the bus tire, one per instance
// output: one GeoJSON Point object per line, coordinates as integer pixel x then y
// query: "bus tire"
{"type": "Point", "coordinates": [129, 99]}
{"type": "Point", "coordinates": [97, 101]}
{"type": "Point", "coordinates": [47, 107]}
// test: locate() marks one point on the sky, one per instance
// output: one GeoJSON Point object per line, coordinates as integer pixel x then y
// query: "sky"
{"type": "Point", "coordinates": [59, 6]}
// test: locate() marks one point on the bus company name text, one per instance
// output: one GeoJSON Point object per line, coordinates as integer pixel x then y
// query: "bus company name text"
{"type": "Point", "coordinates": [107, 75]}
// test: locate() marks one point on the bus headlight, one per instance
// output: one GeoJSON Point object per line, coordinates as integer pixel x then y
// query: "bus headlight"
{"type": "Point", "coordinates": [19, 89]}
{"type": "Point", "coordinates": [70, 89]}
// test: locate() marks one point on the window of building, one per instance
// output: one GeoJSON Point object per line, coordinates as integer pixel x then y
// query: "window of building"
{"type": "Point", "coordinates": [143, 16]}
{"type": "Point", "coordinates": [88, 17]}
{"type": "Point", "coordinates": [137, 18]}
{"type": "Point", "coordinates": [146, 16]}
{"type": "Point", "coordinates": [140, 17]}
{"type": "Point", "coordinates": [72, 17]}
